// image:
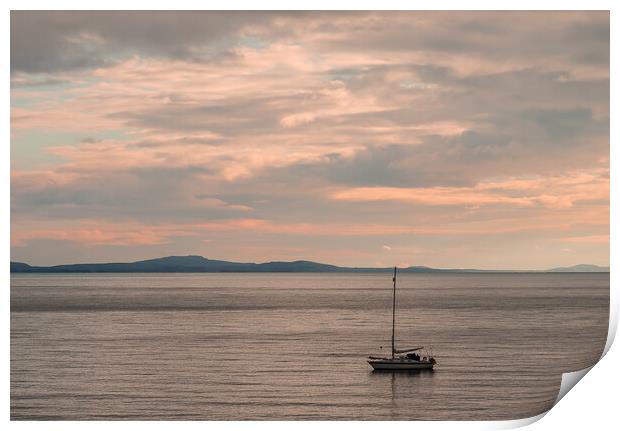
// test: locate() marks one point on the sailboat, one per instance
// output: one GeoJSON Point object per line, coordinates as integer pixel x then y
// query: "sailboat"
{"type": "Point", "coordinates": [401, 359]}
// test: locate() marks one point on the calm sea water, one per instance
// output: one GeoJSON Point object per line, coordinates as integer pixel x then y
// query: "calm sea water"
{"type": "Point", "coordinates": [293, 346]}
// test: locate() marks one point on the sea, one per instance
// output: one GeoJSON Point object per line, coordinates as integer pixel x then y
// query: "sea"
{"type": "Point", "coordinates": [295, 346]}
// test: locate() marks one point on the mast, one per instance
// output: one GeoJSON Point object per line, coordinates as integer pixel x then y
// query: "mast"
{"type": "Point", "coordinates": [393, 311]}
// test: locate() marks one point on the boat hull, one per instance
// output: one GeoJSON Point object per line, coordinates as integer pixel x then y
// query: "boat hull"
{"type": "Point", "coordinates": [388, 364]}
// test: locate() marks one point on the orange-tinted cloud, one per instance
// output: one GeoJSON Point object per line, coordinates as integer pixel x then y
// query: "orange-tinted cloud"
{"type": "Point", "coordinates": [553, 192]}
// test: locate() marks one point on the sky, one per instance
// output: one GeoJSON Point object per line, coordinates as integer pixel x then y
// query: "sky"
{"type": "Point", "coordinates": [446, 139]}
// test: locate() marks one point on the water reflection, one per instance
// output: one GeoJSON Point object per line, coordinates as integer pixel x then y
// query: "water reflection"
{"type": "Point", "coordinates": [403, 383]}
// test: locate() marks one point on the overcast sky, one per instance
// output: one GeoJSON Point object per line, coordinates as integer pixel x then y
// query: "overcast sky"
{"type": "Point", "coordinates": [444, 139]}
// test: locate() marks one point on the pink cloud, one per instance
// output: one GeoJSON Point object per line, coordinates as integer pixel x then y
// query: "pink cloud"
{"type": "Point", "coordinates": [226, 136]}
{"type": "Point", "coordinates": [586, 239]}
{"type": "Point", "coordinates": [104, 234]}
{"type": "Point", "coordinates": [552, 192]}
{"type": "Point", "coordinates": [98, 232]}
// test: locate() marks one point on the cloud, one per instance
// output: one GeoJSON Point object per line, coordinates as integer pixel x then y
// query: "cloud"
{"type": "Point", "coordinates": [604, 239]}
{"type": "Point", "coordinates": [553, 192]}
{"type": "Point", "coordinates": [258, 128]}
{"type": "Point", "coordinates": [130, 233]}
{"type": "Point", "coordinates": [82, 39]}
{"type": "Point", "coordinates": [479, 40]}
{"type": "Point", "coordinates": [94, 234]}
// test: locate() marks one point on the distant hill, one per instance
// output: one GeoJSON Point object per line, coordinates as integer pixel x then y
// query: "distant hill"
{"type": "Point", "coordinates": [581, 268]}
{"type": "Point", "coordinates": [180, 264]}
{"type": "Point", "coordinates": [201, 264]}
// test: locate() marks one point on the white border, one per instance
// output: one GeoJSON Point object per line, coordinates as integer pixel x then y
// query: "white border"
{"type": "Point", "coordinates": [591, 402]}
